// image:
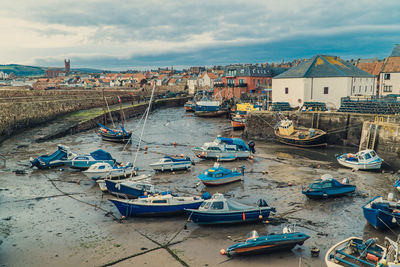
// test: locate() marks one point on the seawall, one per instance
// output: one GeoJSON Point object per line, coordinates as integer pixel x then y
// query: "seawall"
{"type": "Point", "coordinates": [342, 128]}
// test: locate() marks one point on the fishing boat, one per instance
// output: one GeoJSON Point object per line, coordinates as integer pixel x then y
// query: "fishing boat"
{"type": "Point", "coordinates": [356, 252]}
{"type": "Point", "coordinates": [162, 204]}
{"type": "Point", "coordinates": [57, 159]}
{"type": "Point", "coordinates": [210, 108]}
{"type": "Point", "coordinates": [218, 175]}
{"type": "Point", "coordinates": [362, 160]}
{"type": "Point", "coordinates": [255, 244]}
{"type": "Point", "coordinates": [219, 210]}
{"type": "Point", "coordinates": [102, 170]}
{"type": "Point", "coordinates": [132, 187]}
{"type": "Point", "coordinates": [190, 106]}
{"type": "Point", "coordinates": [287, 134]}
{"type": "Point", "coordinates": [327, 186]}
{"type": "Point", "coordinates": [238, 122]}
{"type": "Point", "coordinates": [83, 162]}
{"type": "Point", "coordinates": [225, 149]}
{"type": "Point", "coordinates": [168, 163]}
{"type": "Point", "coordinates": [114, 135]}
{"type": "Point", "coordinates": [381, 213]}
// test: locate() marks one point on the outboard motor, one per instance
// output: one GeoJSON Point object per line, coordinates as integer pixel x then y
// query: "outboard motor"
{"type": "Point", "coordinates": [262, 203]}
{"type": "Point", "coordinates": [252, 145]}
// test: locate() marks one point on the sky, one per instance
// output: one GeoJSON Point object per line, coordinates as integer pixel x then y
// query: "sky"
{"type": "Point", "coordinates": [130, 34]}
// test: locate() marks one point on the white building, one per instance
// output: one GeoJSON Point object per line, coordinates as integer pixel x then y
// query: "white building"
{"type": "Point", "coordinates": [192, 85]}
{"type": "Point", "coordinates": [390, 74]}
{"type": "Point", "coordinates": [207, 79]}
{"type": "Point", "coordinates": [322, 79]}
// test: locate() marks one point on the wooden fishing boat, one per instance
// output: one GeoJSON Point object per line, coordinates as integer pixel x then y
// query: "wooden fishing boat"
{"type": "Point", "coordinates": [210, 108]}
{"type": "Point", "coordinates": [381, 213]}
{"type": "Point", "coordinates": [162, 204]}
{"type": "Point", "coordinates": [59, 158]}
{"type": "Point", "coordinates": [219, 210]}
{"type": "Point", "coordinates": [356, 252]}
{"type": "Point", "coordinates": [218, 175]}
{"type": "Point", "coordinates": [225, 149]}
{"type": "Point", "coordinates": [287, 134]}
{"type": "Point", "coordinates": [256, 244]}
{"type": "Point", "coordinates": [327, 186]}
{"type": "Point", "coordinates": [363, 160]}
{"type": "Point", "coordinates": [168, 163]}
{"type": "Point", "coordinates": [238, 122]}
{"type": "Point", "coordinates": [114, 135]}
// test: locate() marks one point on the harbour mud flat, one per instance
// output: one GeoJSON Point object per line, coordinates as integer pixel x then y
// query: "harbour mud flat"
{"type": "Point", "coordinates": [59, 217]}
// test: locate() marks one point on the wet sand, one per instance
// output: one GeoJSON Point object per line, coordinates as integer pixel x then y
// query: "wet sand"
{"type": "Point", "coordinates": [40, 226]}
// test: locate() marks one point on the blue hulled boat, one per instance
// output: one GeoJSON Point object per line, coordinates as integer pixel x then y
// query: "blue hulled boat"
{"type": "Point", "coordinates": [382, 213]}
{"type": "Point", "coordinates": [131, 187]}
{"type": "Point", "coordinates": [219, 210]}
{"type": "Point", "coordinates": [326, 187]}
{"type": "Point", "coordinates": [210, 108]}
{"type": "Point", "coordinates": [114, 135]}
{"type": "Point", "coordinates": [57, 159]}
{"type": "Point", "coordinates": [218, 175]}
{"type": "Point", "coordinates": [255, 244]}
{"type": "Point", "coordinates": [163, 204]}
{"type": "Point", "coordinates": [85, 161]}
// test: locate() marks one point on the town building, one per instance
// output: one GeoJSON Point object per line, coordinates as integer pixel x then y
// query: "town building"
{"type": "Point", "coordinates": [322, 79]}
{"type": "Point", "coordinates": [390, 74]}
{"type": "Point", "coordinates": [238, 80]}
{"type": "Point", "coordinates": [207, 79]}
{"type": "Point", "coordinates": [372, 66]}
{"type": "Point", "coordinates": [57, 72]}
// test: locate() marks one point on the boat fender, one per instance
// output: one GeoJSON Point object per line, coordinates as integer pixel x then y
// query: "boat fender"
{"type": "Point", "coordinates": [244, 216]}
{"type": "Point", "coordinates": [396, 211]}
{"type": "Point", "coordinates": [222, 251]}
{"type": "Point", "coordinates": [260, 217]}
{"type": "Point", "coordinates": [390, 197]}
{"type": "Point", "coordinates": [372, 257]}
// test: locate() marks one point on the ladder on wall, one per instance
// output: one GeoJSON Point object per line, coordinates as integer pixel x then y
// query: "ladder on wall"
{"type": "Point", "coordinates": [4, 159]}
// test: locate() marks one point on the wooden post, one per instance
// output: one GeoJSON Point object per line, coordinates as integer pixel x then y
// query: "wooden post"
{"type": "Point", "coordinates": [104, 107]}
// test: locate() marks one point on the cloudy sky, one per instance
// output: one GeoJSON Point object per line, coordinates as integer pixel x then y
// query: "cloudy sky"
{"type": "Point", "coordinates": [122, 34]}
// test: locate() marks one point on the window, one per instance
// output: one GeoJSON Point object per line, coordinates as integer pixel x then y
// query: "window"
{"type": "Point", "coordinates": [286, 90]}
{"type": "Point", "coordinates": [326, 89]}
{"type": "Point", "coordinates": [254, 82]}
{"type": "Point", "coordinates": [241, 81]}
{"type": "Point", "coordinates": [219, 205]}
{"type": "Point", "coordinates": [387, 76]}
{"type": "Point", "coordinates": [359, 89]}
{"type": "Point", "coordinates": [365, 88]}
{"type": "Point", "coordinates": [354, 89]}
{"type": "Point", "coordinates": [242, 71]}
{"type": "Point", "coordinates": [102, 167]}
{"type": "Point", "coordinates": [387, 88]}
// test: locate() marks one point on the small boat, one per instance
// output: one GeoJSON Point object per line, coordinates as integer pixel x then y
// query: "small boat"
{"type": "Point", "coordinates": [287, 134]}
{"type": "Point", "coordinates": [162, 204]}
{"type": "Point", "coordinates": [190, 106]}
{"type": "Point", "coordinates": [102, 170]}
{"type": "Point", "coordinates": [256, 244]}
{"type": "Point", "coordinates": [355, 252]}
{"type": "Point", "coordinates": [225, 149]}
{"type": "Point", "coordinates": [218, 175]}
{"type": "Point", "coordinates": [381, 213]}
{"type": "Point", "coordinates": [168, 163]}
{"type": "Point", "coordinates": [131, 187]}
{"type": "Point", "coordinates": [219, 210]}
{"type": "Point", "coordinates": [114, 135]}
{"type": "Point", "coordinates": [327, 186]}
{"type": "Point", "coordinates": [58, 158]}
{"type": "Point", "coordinates": [83, 162]}
{"type": "Point", "coordinates": [363, 160]}
{"type": "Point", "coordinates": [210, 108]}
{"type": "Point", "coordinates": [238, 122]}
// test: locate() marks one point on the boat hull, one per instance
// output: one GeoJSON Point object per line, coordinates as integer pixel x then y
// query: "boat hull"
{"type": "Point", "coordinates": [220, 155]}
{"type": "Point", "coordinates": [380, 219]}
{"type": "Point", "coordinates": [132, 209]}
{"type": "Point", "coordinates": [115, 138]}
{"type": "Point", "coordinates": [85, 164]}
{"type": "Point", "coordinates": [334, 192]}
{"type": "Point", "coordinates": [116, 187]}
{"type": "Point", "coordinates": [221, 181]}
{"type": "Point", "coordinates": [212, 113]}
{"type": "Point", "coordinates": [359, 166]}
{"type": "Point", "coordinates": [317, 141]}
{"type": "Point", "coordinates": [171, 167]}
{"type": "Point", "coordinates": [203, 217]}
{"type": "Point", "coordinates": [236, 125]}
{"type": "Point", "coordinates": [269, 243]}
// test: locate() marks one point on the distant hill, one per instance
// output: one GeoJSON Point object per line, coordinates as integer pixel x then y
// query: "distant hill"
{"type": "Point", "coordinates": [22, 70]}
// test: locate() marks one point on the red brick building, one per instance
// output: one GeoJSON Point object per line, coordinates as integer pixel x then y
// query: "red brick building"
{"type": "Point", "coordinates": [243, 79]}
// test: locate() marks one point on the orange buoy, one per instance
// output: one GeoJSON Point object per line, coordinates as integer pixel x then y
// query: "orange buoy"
{"type": "Point", "coordinates": [260, 217]}
{"type": "Point", "coordinates": [372, 257]}
{"type": "Point", "coordinates": [174, 143]}
{"type": "Point", "coordinates": [289, 184]}
{"type": "Point", "coordinates": [318, 166]}
{"type": "Point", "coordinates": [146, 147]}
{"type": "Point", "coordinates": [222, 251]}
{"type": "Point", "coordinates": [145, 152]}
{"type": "Point", "coordinates": [244, 216]}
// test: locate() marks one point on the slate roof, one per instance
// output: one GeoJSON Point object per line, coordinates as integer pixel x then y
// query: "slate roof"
{"type": "Point", "coordinates": [396, 51]}
{"type": "Point", "coordinates": [321, 66]}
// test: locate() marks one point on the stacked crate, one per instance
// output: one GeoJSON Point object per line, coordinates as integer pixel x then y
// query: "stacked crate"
{"type": "Point", "coordinates": [280, 106]}
{"type": "Point", "coordinates": [386, 105]}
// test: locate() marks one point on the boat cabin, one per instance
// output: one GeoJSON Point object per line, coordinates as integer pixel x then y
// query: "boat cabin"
{"type": "Point", "coordinates": [217, 202]}
{"type": "Point", "coordinates": [286, 127]}
{"type": "Point", "coordinates": [363, 156]}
